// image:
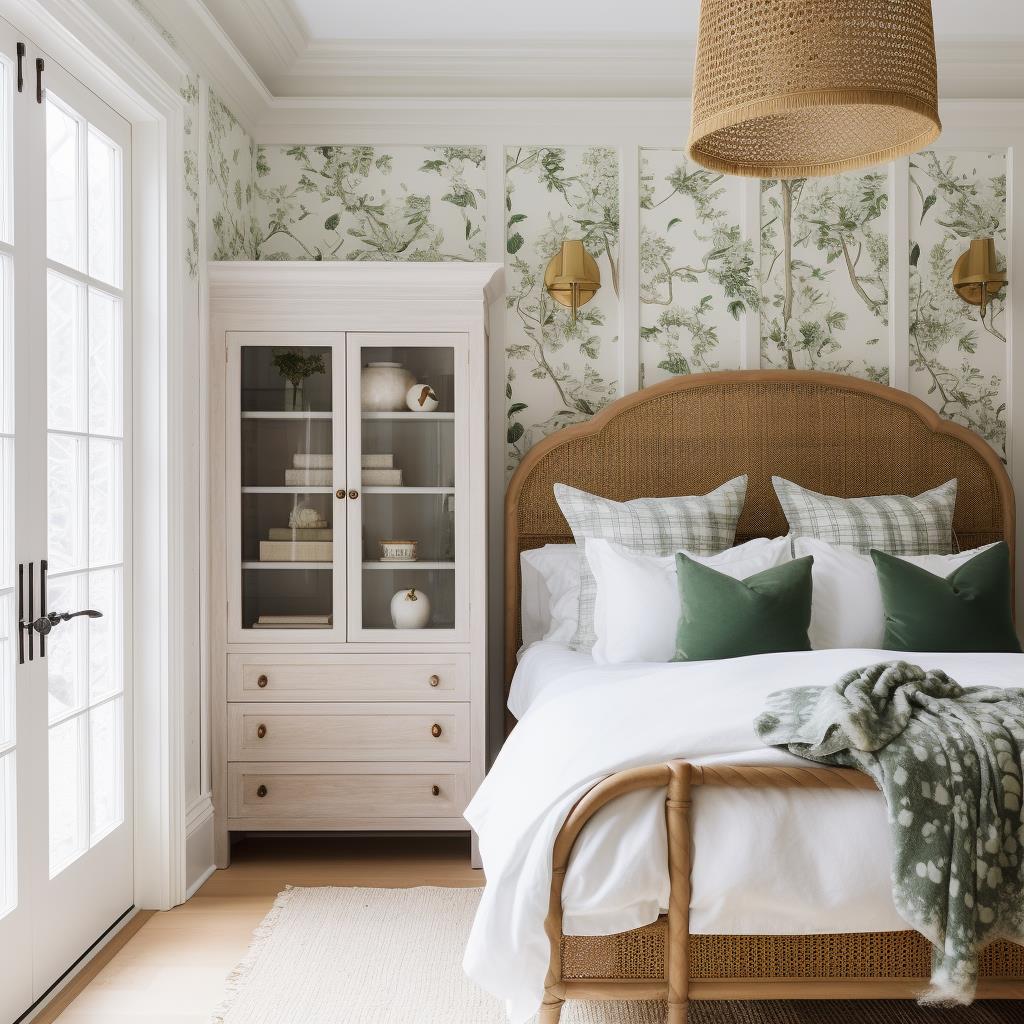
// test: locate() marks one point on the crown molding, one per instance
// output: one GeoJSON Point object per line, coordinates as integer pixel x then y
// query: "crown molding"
{"type": "Point", "coordinates": [269, 33]}
{"type": "Point", "coordinates": [212, 53]}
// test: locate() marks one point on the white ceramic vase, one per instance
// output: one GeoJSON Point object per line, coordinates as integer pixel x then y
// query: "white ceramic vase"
{"type": "Point", "coordinates": [410, 609]}
{"type": "Point", "coordinates": [383, 387]}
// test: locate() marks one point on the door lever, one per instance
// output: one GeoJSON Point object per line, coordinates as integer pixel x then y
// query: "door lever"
{"type": "Point", "coordinates": [45, 623]}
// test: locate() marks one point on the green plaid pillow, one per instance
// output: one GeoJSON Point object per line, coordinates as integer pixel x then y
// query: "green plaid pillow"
{"type": "Point", "coordinates": [893, 523]}
{"type": "Point", "coordinates": [701, 525]}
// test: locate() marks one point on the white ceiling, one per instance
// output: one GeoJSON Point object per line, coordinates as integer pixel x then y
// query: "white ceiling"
{"type": "Point", "coordinates": [488, 19]}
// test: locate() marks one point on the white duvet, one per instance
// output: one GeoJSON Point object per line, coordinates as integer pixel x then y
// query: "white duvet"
{"type": "Point", "coordinates": [786, 862]}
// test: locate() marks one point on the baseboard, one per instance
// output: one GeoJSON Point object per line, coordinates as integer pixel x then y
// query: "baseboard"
{"type": "Point", "coordinates": [199, 862]}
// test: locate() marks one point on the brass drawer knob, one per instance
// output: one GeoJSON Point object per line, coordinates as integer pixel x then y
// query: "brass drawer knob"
{"type": "Point", "coordinates": [435, 680]}
{"type": "Point", "coordinates": [353, 495]}
{"type": "Point", "coordinates": [262, 681]}
{"type": "Point", "coordinates": [435, 790]}
{"type": "Point", "coordinates": [340, 493]}
{"type": "Point", "coordinates": [261, 731]}
{"type": "Point", "coordinates": [261, 791]}
{"type": "Point", "coordinates": [435, 730]}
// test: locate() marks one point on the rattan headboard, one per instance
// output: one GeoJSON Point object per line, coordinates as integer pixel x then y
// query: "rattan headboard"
{"type": "Point", "coordinates": [832, 433]}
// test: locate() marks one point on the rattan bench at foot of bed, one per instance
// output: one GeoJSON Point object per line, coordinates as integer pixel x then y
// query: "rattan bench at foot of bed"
{"type": "Point", "coordinates": [663, 961]}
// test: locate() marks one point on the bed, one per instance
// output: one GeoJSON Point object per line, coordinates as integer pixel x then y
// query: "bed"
{"type": "Point", "coordinates": [834, 434]}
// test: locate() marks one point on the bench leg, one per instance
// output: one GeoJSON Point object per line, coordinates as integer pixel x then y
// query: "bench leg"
{"type": "Point", "coordinates": [550, 1009]}
{"type": "Point", "coordinates": [677, 1013]}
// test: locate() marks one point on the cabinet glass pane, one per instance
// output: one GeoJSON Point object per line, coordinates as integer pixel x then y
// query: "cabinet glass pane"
{"type": "Point", "coordinates": [407, 446]}
{"type": "Point", "coordinates": [287, 480]}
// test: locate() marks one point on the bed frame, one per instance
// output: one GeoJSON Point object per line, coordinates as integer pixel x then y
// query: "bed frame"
{"type": "Point", "coordinates": [835, 434]}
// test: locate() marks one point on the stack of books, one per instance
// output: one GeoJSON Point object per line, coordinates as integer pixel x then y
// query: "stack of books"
{"type": "Point", "coordinates": [379, 471]}
{"type": "Point", "coordinates": [310, 471]}
{"type": "Point", "coordinates": [293, 622]}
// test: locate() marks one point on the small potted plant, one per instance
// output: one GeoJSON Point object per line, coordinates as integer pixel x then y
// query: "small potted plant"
{"type": "Point", "coordinates": [295, 366]}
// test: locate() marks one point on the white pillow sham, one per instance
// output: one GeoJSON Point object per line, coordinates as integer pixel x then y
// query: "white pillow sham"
{"type": "Point", "coordinates": [637, 607]}
{"type": "Point", "coordinates": [550, 602]}
{"type": "Point", "coordinates": [846, 601]}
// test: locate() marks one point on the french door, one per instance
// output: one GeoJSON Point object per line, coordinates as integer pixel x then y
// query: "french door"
{"type": "Point", "coordinates": [65, 525]}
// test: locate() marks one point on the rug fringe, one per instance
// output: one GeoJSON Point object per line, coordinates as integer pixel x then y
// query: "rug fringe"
{"type": "Point", "coordinates": [236, 979]}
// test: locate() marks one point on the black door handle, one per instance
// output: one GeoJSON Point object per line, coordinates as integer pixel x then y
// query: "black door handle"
{"type": "Point", "coordinates": [45, 623]}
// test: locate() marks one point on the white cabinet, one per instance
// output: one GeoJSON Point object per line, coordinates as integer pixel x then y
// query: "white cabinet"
{"type": "Point", "coordinates": [348, 542]}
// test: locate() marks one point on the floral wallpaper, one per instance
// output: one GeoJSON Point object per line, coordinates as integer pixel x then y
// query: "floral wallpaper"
{"type": "Point", "coordinates": [365, 203]}
{"type": "Point", "coordinates": [190, 168]}
{"type": "Point", "coordinates": [958, 358]}
{"type": "Point", "coordinates": [558, 372]}
{"type": "Point", "coordinates": [825, 274]}
{"type": "Point", "coordinates": [229, 175]}
{"type": "Point", "coordinates": [696, 270]}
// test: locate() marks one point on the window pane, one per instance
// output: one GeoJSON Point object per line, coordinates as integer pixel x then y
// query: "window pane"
{"type": "Point", "coordinates": [66, 365]}
{"type": "Point", "coordinates": [8, 652]}
{"type": "Point", "coordinates": [6, 154]}
{"type": "Point", "coordinates": [6, 346]}
{"type": "Point", "coordinates": [8, 837]}
{"type": "Point", "coordinates": [6, 515]}
{"type": "Point", "coordinates": [106, 753]}
{"type": "Point", "coordinates": [67, 508]}
{"type": "Point", "coordinates": [63, 187]}
{"type": "Point", "coordinates": [105, 502]}
{"type": "Point", "coordinates": [105, 367]}
{"type": "Point", "coordinates": [67, 647]}
{"type": "Point", "coordinates": [106, 639]}
{"type": "Point", "coordinates": [104, 209]}
{"type": "Point", "coordinates": [69, 805]}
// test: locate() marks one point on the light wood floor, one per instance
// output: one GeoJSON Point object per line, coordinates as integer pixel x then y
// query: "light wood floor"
{"type": "Point", "coordinates": [172, 970]}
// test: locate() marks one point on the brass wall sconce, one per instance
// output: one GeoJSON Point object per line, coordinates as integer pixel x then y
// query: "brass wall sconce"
{"type": "Point", "coordinates": [975, 276]}
{"type": "Point", "coordinates": [572, 277]}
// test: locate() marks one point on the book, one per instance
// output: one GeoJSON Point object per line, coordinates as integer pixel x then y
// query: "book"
{"type": "Point", "coordinates": [384, 460]}
{"type": "Point", "coordinates": [382, 478]}
{"type": "Point", "coordinates": [295, 620]}
{"type": "Point", "coordinates": [304, 460]}
{"type": "Point", "coordinates": [296, 550]}
{"type": "Point", "coordinates": [308, 477]}
{"type": "Point", "coordinates": [291, 625]}
{"type": "Point", "coordinates": [300, 533]}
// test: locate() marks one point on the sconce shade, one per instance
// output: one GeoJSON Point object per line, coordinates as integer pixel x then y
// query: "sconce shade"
{"type": "Point", "coordinates": [975, 275]}
{"type": "Point", "coordinates": [572, 277]}
{"type": "Point", "coordinates": [807, 88]}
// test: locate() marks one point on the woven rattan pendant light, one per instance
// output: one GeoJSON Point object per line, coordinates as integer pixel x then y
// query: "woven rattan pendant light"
{"type": "Point", "coordinates": [803, 88]}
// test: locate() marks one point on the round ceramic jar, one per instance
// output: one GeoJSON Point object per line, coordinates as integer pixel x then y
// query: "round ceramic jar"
{"type": "Point", "coordinates": [383, 387]}
{"type": "Point", "coordinates": [410, 609]}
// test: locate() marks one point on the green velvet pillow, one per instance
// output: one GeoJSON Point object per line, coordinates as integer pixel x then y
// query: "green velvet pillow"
{"type": "Point", "coordinates": [722, 617]}
{"type": "Point", "coordinates": [968, 610]}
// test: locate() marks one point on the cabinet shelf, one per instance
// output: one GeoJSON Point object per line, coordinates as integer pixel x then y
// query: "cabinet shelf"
{"type": "Point", "coordinates": [283, 415]}
{"type": "Point", "coordinates": [299, 489]}
{"type": "Point", "coordinates": [287, 565]}
{"type": "Point", "coordinates": [420, 417]}
{"type": "Point", "coordinates": [403, 566]}
{"type": "Point", "coordinates": [408, 490]}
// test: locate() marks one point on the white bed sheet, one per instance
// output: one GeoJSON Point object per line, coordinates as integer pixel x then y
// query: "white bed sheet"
{"type": "Point", "coordinates": [765, 862]}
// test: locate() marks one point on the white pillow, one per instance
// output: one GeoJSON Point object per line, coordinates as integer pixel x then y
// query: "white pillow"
{"type": "Point", "coordinates": [637, 608]}
{"type": "Point", "coordinates": [846, 601]}
{"type": "Point", "coordinates": [550, 604]}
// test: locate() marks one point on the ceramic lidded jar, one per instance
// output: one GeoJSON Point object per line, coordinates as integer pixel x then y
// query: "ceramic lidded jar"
{"type": "Point", "coordinates": [410, 609]}
{"type": "Point", "coordinates": [383, 387]}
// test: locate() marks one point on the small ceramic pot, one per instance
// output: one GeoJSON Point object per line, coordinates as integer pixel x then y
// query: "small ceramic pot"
{"type": "Point", "coordinates": [383, 387]}
{"type": "Point", "coordinates": [398, 550]}
{"type": "Point", "coordinates": [410, 609]}
{"type": "Point", "coordinates": [421, 398]}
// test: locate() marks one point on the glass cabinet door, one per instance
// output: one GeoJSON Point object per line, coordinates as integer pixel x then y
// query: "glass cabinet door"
{"type": "Point", "coordinates": [406, 456]}
{"type": "Point", "coordinates": [287, 525]}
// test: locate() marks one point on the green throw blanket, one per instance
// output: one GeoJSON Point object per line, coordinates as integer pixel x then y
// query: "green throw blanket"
{"type": "Point", "coordinates": [949, 761]}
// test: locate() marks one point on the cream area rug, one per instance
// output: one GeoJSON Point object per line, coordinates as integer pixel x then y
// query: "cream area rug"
{"type": "Point", "coordinates": [394, 956]}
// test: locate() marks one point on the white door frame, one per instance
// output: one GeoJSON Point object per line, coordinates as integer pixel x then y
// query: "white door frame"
{"type": "Point", "coordinates": [142, 81]}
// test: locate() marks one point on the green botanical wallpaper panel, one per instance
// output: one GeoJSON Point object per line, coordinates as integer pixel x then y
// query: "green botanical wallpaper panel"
{"type": "Point", "coordinates": [825, 274]}
{"type": "Point", "coordinates": [190, 169]}
{"type": "Point", "coordinates": [229, 174]}
{"type": "Point", "coordinates": [697, 274]}
{"type": "Point", "coordinates": [366, 203]}
{"type": "Point", "coordinates": [957, 358]}
{"type": "Point", "coordinates": [558, 372]}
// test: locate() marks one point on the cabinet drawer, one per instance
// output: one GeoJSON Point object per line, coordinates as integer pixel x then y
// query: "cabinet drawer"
{"type": "Point", "coordinates": [348, 732]}
{"type": "Point", "coordinates": [348, 677]}
{"type": "Point", "coordinates": [335, 795]}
